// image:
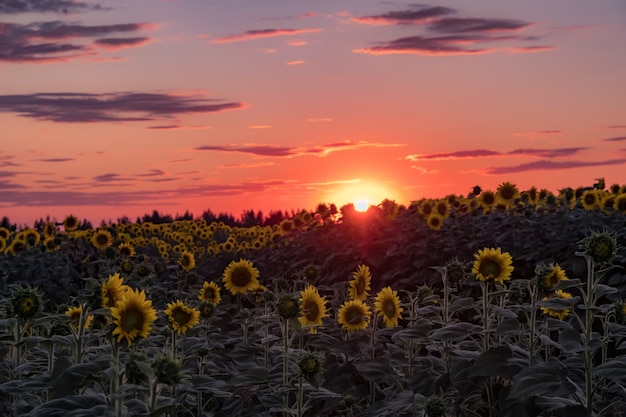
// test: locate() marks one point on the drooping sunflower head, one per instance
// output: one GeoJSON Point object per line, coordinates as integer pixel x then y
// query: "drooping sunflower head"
{"type": "Point", "coordinates": [387, 306]}
{"type": "Point", "coordinates": [76, 314]}
{"type": "Point", "coordinates": [126, 250]}
{"type": "Point", "coordinates": [133, 316]}
{"type": "Point", "coordinates": [600, 246]}
{"type": "Point", "coordinates": [507, 193]}
{"type": "Point", "coordinates": [137, 368]}
{"type": "Point", "coordinates": [240, 276]}
{"type": "Point", "coordinates": [187, 260]}
{"type": "Point", "coordinates": [311, 272]}
{"type": "Point", "coordinates": [102, 239]}
{"type": "Point", "coordinates": [559, 313]}
{"type": "Point", "coordinates": [312, 307]}
{"type": "Point", "coordinates": [354, 315]}
{"type": "Point", "coordinates": [181, 316]}
{"type": "Point", "coordinates": [70, 223]}
{"type": "Point", "coordinates": [548, 276]}
{"type": "Point", "coordinates": [167, 370]}
{"type": "Point", "coordinates": [620, 311]}
{"type": "Point", "coordinates": [492, 264]}
{"type": "Point", "coordinates": [50, 244]}
{"type": "Point", "coordinates": [287, 306]}
{"type": "Point", "coordinates": [26, 302]}
{"type": "Point", "coordinates": [360, 283]}
{"type": "Point", "coordinates": [210, 291]}
{"type": "Point", "coordinates": [456, 271]}
{"type": "Point", "coordinates": [113, 290]}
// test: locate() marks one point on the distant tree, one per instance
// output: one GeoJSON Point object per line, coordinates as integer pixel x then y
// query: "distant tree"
{"type": "Point", "coordinates": [6, 223]}
{"type": "Point", "coordinates": [274, 218]}
{"type": "Point", "coordinates": [186, 216]}
{"type": "Point", "coordinates": [227, 219]}
{"type": "Point", "coordinates": [123, 220]}
{"type": "Point", "coordinates": [157, 218]}
{"type": "Point", "coordinates": [249, 218]}
{"type": "Point", "coordinates": [208, 216]}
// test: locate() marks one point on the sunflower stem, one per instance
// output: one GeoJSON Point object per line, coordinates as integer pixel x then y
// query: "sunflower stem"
{"type": "Point", "coordinates": [589, 299]}
{"type": "Point", "coordinates": [532, 349]}
{"type": "Point", "coordinates": [285, 351]}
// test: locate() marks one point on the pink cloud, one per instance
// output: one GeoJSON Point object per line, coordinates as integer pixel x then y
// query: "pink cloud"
{"type": "Point", "coordinates": [263, 33]}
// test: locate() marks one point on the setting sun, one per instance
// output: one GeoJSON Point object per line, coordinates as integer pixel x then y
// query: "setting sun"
{"type": "Point", "coordinates": [361, 204]}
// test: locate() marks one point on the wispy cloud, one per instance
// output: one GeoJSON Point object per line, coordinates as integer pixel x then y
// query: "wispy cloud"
{"type": "Point", "coordinates": [319, 119]}
{"type": "Point", "coordinates": [55, 160]}
{"type": "Point", "coordinates": [127, 106]}
{"type": "Point", "coordinates": [420, 14]}
{"type": "Point", "coordinates": [423, 170]}
{"type": "Point", "coordinates": [615, 139]}
{"type": "Point", "coordinates": [46, 6]}
{"type": "Point", "coordinates": [283, 151]}
{"type": "Point", "coordinates": [260, 127]}
{"type": "Point", "coordinates": [532, 49]}
{"type": "Point", "coordinates": [485, 153]}
{"type": "Point", "coordinates": [444, 35]}
{"type": "Point", "coordinates": [252, 165]}
{"type": "Point", "coordinates": [616, 127]}
{"type": "Point", "coordinates": [548, 165]}
{"type": "Point", "coordinates": [177, 127]}
{"type": "Point", "coordinates": [537, 133]}
{"type": "Point", "coordinates": [299, 62]}
{"type": "Point", "coordinates": [47, 41]}
{"type": "Point", "coordinates": [263, 33]}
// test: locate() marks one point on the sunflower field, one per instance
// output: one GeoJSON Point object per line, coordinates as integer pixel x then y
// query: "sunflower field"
{"type": "Point", "coordinates": [497, 303]}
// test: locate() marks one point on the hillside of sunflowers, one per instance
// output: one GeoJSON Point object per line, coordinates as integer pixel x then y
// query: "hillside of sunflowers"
{"type": "Point", "coordinates": [502, 302]}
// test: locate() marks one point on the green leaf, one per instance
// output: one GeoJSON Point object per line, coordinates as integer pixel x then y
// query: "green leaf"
{"type": "Point", "coordinates": [66, 379]}
{"type": "Point", "coordinates": [456, 331]}
{"type": "Point", "coordinates": [542, 379]}
{"type": "Point", "coordinates": [461, 304]}
{"type": "Point", "coordinates": [613, 369]}
{"type": "Point", "coordinates": [570, 341]}
{"type": "Point", "coordinates": [510, 327]}
{"type": "Point", "coordinates": [375, 370]}
{"type": "Point", "coordinates": [495, 362]}
{"type": "Point", "coordinates": [252, 376]}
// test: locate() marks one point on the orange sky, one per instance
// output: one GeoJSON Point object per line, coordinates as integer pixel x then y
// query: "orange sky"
{"type": "Point", "coordinates": [120, 108]}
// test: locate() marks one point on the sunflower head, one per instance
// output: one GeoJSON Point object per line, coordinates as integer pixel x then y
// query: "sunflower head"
{"type": "Point", "coordinates": [167, 370]}
{"type": "Point", "coordinates": [559, 313]}
{"type": "Point", "coordinates": [435, 221]}
{"type": "Point", "coordinates": [435, 406]}
{"type": "Point", "coordinates": [207, 309]}
{"type": "Point", "coordinates": [133, 316]}
{"type": "Point", "coordinates": [359, 285]}
{"type": "Point", "coordinates": [311, 272]}
{"type": "Point", "coordinates": [240, 277]}
{"type": "Point", "coordinates": [102, 239]}
{"type": "Point", "coordinates": [70, 223]}
{"type": "Point", "coordinates": [287, 306]}
{"type": "Point", "coordinates": [507, 193]}
{"type": "Point", "coordinates": [548, 276]}
{"type": "Point", "coordinates": [181, 316]}
{"type": "Point", "coordinates": [487, 199]}
{"type": "Point", "coordinates": [126, 250]}
{"type": "Point", "coordinates": [354, 315]}
{"type": "Point", "coordinates": [590, 199]}
{"type": "Point", "coordinates": [187, 260]}
{"type": "Point", "coordinates": [310, 365]}
{"type": "Point", "coordinates": [26, 302]}
{"type": "Point", "coordinates": [600, 246]}
{"type": "Point", "coordinates": [76, 314]}
{"type": "Point", "coordinates": [210, 291]}
{"type": "Point", "coordinates": [312, 307]}
{"type": "Point", "coordinates": [491, 264]}
{"type": "Point", "coordinates": [620, 311]}
{"type": "Point", "coordinates": [456, 271]}
{"type": "Point", "coordinates": [113, 290]}
{"type": "Point", "coordinates": [387, 306]}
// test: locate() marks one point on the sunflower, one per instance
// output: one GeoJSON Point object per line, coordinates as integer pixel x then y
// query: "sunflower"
{"type": "Point", "coordinates": [288, 306]}
{"type": "Point", "coordinates": [559, 314]}
{"type": "Point", "coordinates": [487, 200]}
{"type": "Point", "coordinates": [435, 221]}
{"type": "Point", "coordinates": [49, 229]}
{"type": "Point", "coordinates": [75, 313]}
{"type": "Point", "coordinates": [491, 263]}
{"type": "Point", "coordinates": [354, 315]}
{"type": "Point", "coordinates": [312, 307]}
{"type": "Point", "coordinates": [387, 306]}
{"type": "Point", "coordinates": [101, 239]}
{"type": "Point", "coordinates": [5, 233]}
{"type": "Point", "coordinates": [16, 247]}
{"type": "Point", "coordinates": [550, 276]}
{"type": "Point", "coordinates": [133, 316]}
{"type": "Point", "coordinates": [186, 260]}
{"type": "Point", "coordinates": [426, 207]}
{"type": "Point", "coordinates": [442, 208]}
{"type": "Point", "coordinates": [590, 199]}
{"type": "Point", "coordinates": [210, 291]}
{"type": "Point", "coordinates": [619, 203]}
{"type": "Point", "coordinates": [3, 245]}
{"type": "Point", "coordinates": [360, 283]}
{"type": "Point", "coordinates": [240, 276]}
{"type": "Point", "coordinates": [181, 316]}
{"type": "Point", "coordinates": [113, 290]}
{"type": "Point", "coordinates": [126, 249]}
{"type": "Point", "coordinates": [26, 302]}
{"type": "Point", "coordinates": [30, 236]}
{"type": "Point", "coordinates": [507, 193]}
{"type": "Point", "coordinates": [70, 223]}
{"type": "Point", "coordinates": [50, 244]}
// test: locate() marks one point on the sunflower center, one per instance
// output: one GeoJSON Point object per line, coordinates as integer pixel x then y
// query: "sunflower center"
{"type": "Point", "coordinates": [312, 310]}
{"type": "Point", "coordinates": [185, 261]}
{"type": "Point", "coordinates": [389, 308]}
{"type": "Point", "coordinates": [442, 209]}
{"type": "Point", "coordinates": [590, 198]}
{"type": "Point", "coordinates": [102, 239]}
{"type": "Point", "coordinates": [507, 193]}
{"type": "Point", "coordinates": [488, 198]}
{"type": "Point", "coordinates": [209, 294]}
{"type": "Point", "coordinates": [489, 268]}
{"type": "Point", "coordinates": [241, 277]}
{"type": "Point", "coordinates": [132, 319]}
{"type": "Point", "coordinates": [360, 286]}
{"type": "Point", "coordinates": [621, 204]}
{"type": "Point", "coordinates": [354, 315]}
{"type": "Point", "coordinates": [26, 305]}
{"type": "Point", "coordinates": [181, 317]}
{"type": "Point", "coordinates": [427, 209]}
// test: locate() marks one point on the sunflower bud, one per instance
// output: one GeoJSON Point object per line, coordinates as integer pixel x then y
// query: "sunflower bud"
{"type": "Point", "coordinates": [26, 302]}
{"type": "Point", "coordinates": [167, 370]}
{"type": "Point", "coordinates": [310, 365]}
{"type": "Point", "coordinates": [137, 368]}
{"type": "Point", "coordinates": [620, 312]}
{"type": "Point", "coordinates": [207, 309]}
{"type": "Point", "coordinates": [288, 306]}
{"type": "Point", "coordinates": [127, 267]}
{"type": "Point", "coordinates": [600, 246]}
{"type": "Point", "coordinates": [435, 406]}
{"type": "Point", "coordinates": [455, 271]}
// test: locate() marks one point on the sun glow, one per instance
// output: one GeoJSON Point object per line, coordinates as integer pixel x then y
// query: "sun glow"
{"type": "Point", "coordinates": [361, 204]}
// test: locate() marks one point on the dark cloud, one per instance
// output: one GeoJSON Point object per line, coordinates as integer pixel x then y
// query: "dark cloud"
{"type": "Point", "coordinates": [87, 108]}
{"type": "Point", "coordinates": [464, 25]}
{"type": "Point", "coordinates": [262, 33]}
{"type": "Point", "coordinates": [283, 151]}
{"type": "Point", "coordinates": [46, 6]}
{"type": "Point", "coordinates": [534, 48]}
{"type": "Point", "coordinates": [616, 139]}
{"type": "Point", "coordinates": [548, 165]}
{"type": "Point", "coordinates": [40, 42]}
{"type": "Point", "coordinates": [420, 15]}
{"type": "Point", "coordinates": [55, 160]}
{"type": "Point", "coordinates": [616, 127]}
{"type": "Point", "coordinates": [152, 173]}
{"type": "Point", "coordinates": [118, 43]}
{"type": "Point", "coordinates": [111, 178]}
{"type": "Point", "coordinates": [437, 45]}
{"type": "Point", "coordinates": [483, 153]}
